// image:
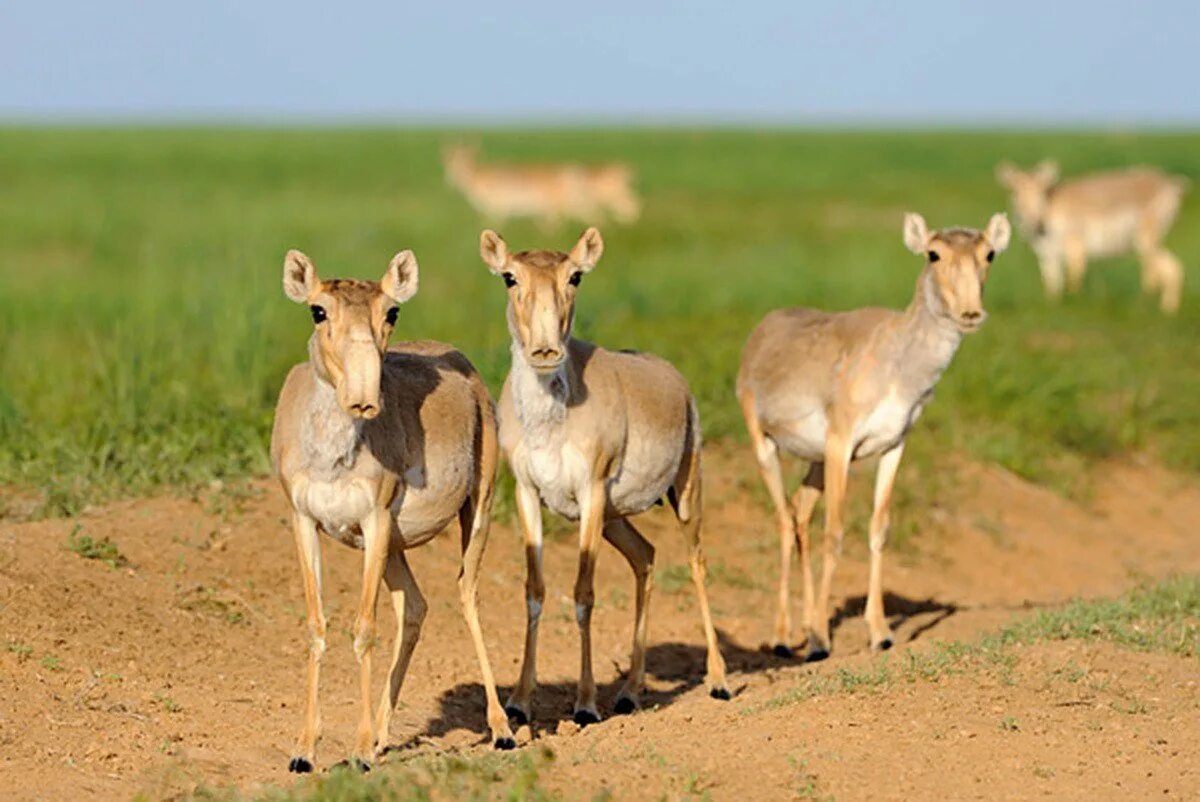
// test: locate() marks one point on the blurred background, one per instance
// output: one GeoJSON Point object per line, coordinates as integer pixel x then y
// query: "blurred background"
{"type": "Point", "coordinates": [157, 160]}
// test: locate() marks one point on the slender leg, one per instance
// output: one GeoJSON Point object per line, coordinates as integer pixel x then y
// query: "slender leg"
{"type": "Point", "coordinates": [410, 607]}
{"type": "Point", "coordinates": [529, 510]}
{"type": "Point", "coordinates": [767, 455]}
{"type": "Point", "coordinates": [475, 533]}
{"type": "Point", "coordinates": [804, 500]}
{"type": "Point", "coordinates": [1170, 278]}
{"type": "Point", "coordinates": [640, 554]}
{"type": "Point", "coordinates": [718, 686]}
{"type": "Point", "coordinates": [885, 476]}
{"type": "Point", "coordinates": [377, 530]}
{"type": "Point", "coordinates": [1076, 258]}
{"type": "Point", "coordinates": [837, 466]}
{"type": "Point", "coordinates": [591, 522]}
{"type": "Point", "coordinates": [309, 549]}
{"type": "Point", "coordinates": [1050, 263]}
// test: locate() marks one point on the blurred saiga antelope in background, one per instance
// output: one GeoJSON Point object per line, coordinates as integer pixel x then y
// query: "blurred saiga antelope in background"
{"type": "Point", "coordinates": [381, 448]}
{"type": "Point", "coordinates": [596, 436]}
{"type": "Point", "coordinates": [547, 192]}
{"type": "Point", "coordinates": [1098, 215]}
{"type": "Point", "coordinates": [836, 387]}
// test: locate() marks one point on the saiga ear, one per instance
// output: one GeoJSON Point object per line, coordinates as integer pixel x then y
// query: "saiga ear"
{"type": "Point", "coordinates": [588, 250]}
{"type": "Point", "coordinates": [300, 279]}
{"type": "Point", "coordinates": [493, 250]}
{"type": "Point", "coordinates": [1005, 173]}
{"type": "Point", "coordinates": [916, 233]}
{"type": "Point", "coordinates": [998, 231]}
{"type": "Point", "coordinates": [400, 281]}
{"type": "Point", "coordinates": [1046, 171]}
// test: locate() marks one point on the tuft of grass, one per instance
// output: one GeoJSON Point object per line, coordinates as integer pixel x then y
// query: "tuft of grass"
{"type": "Point", "coordinates": [146, 338]}
{"type": "Point", "coordinates": [89, 548]}
{"type": "Point", "coordinates": [21, 650]}
{"type": "Point", "coordinates": [51, 663]}
{"type": "Point", "coordinates": [1161, 617]}
{"type": "Point", "coordinates": [512, 778]}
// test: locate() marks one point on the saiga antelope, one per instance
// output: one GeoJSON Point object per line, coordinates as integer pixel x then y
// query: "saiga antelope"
{"type": "Point", "coordinates": [834, 387]}
{"type": "Point", "coordinates": [596, 436]}
{"type": "Point", "coordinates": [548, 192]}
{"type": "Point", "coordinates": [381, 448]}
{"type": "Point", "coordinates": [1103, 214]}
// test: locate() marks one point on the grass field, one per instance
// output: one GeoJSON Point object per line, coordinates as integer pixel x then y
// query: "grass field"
{"type": "Point", "coordinates": [146, 334]}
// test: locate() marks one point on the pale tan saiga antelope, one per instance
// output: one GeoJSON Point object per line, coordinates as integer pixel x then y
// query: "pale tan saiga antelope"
{"type": "Point", "coordinates": [546, 192]}
{"type": "Point", "coordinates": [1098, 215]}
{"type": "Point", "coordinates": [596, 436]}
{"type": "Point", "coordinates": [381, 448]}
{"type": "Point", "coordinates": [834, 387]}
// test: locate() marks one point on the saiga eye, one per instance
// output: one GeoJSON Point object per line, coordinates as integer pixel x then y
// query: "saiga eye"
{"type": "Point", "coordinates": [391, 315]}
{"type": "Point", "coordinates": [509, 281]}
{"type": "Point", "coordinates": [318, 313]}
{"type": "Point", "coordinates": [575, 278]}
{"type": "Point", "coordinates": [933, 256]}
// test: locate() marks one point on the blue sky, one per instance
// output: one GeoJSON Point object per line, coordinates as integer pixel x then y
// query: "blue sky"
{"type": "Point", "coordinates": [1018, 62]}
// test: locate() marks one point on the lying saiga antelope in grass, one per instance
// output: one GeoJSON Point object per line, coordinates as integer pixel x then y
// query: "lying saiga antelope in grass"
{"type": "Point", "coordinates": [549, 192]}
{"type": "Point", "coordinates": [381, 448]}
{"type": "Point", "coordinates": [596, 436]}
{"type": "Point", "coordinates": [1103, 214]}
{"type": "Point", "coordinates": [834, 387]}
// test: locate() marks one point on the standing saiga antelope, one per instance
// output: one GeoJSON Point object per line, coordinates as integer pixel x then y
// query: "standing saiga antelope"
{"type": "Point", "coordinates": [596, 436]}
{"type": "Point", "coordinates": [381, 448]}
{"type": "Point", "coordinates": [1103, 214]}
{"type": "Point", "coordinates": [834, 387]}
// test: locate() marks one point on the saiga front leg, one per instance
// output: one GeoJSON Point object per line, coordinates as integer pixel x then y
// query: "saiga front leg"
{"type": "Point", "coordinates": [308, 547]}
{"type": "Point", "coordinates": [591, 524]}
{"type": "Point", "coordinates": [529, 509]}
{"type": "Point", "coordinates": [377, 531]}
{"type": "Point", "coordinates": [837, 467]}
{"type": "Point", "coordinates": [885, 478]}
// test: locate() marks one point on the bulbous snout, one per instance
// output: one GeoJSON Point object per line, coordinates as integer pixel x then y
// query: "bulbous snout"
{"type": "Point", "coordinates": [358, 391]}
{"type": "Point", "coordinates": [545, 358]}
{"type": "Point", "coordinates": [971, 319]}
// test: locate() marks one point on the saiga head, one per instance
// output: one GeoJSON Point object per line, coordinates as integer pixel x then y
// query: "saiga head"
{"type": "Point", "coordinates": [1030, 192]}
{"type": "Point", "coordinates": [352, 321]}
{"type": "Point", "coordinates": [957, 262]}
{"type": "Point", "coordinates": [541, 293]}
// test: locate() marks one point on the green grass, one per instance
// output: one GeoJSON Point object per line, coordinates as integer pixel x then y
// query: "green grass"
{"type": "Point", "coordinates": [89, 548]}
{"type": "Point", "coordinates": [512, 778]}
{"type": "Point", "coordinates": [146, 334]}
{"type": "Point", "coordinates": [1163, 617]}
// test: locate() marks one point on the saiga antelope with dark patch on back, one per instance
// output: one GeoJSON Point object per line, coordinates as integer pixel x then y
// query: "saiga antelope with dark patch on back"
{"type": "Point", "coordinates": [834, 387]}
{"type": "Point", "coordinates": [381, 448]}
{"type": "Point", "coordinates": [596, 436]}
{"type": "Point", "coordinates": [1098, 215]}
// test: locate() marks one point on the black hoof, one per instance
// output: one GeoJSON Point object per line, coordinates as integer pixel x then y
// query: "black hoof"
{"type": "Point", "coordinates": [300, 765]}
{"type": "Point", "coordinates": [884, 644]}
{"type": "Point", "coordinates": [504, 744]}
{"type": "Point", "coordinates": [586, 717]}
{"type": "Point", "coordinates": [720, 693]}
{"type": "Point", "coordinates": [516, 715]}
{"type": "Point", "coordinates": [624, 706]}
{"type": "Point", "coordinates": [783, 651]}
{"type": "Point", "coordinates": [816, 655]}
{"type": "Point", "coordinates": [359, 765]}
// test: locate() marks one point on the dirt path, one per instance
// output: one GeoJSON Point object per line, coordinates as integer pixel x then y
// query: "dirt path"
{"type": "Point", "coordinates": [186, 665]}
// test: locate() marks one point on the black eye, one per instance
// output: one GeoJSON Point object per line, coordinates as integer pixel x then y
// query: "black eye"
{"type": "Point", "coordinates": [318, 313]}
{"type": "Point", "coordinates": [509, 281]}
{"type": "Point", "coordinates": [933, 257]}
{"type": "Point", "coordinates": [391, 315]}
{"type": "Point", "coordinates": [575, 278]}
{"type": "Point", "coordinates": [991, 255]}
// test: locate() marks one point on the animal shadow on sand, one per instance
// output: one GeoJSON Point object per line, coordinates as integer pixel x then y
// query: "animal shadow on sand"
{"type": "Point", "coordinates": [899, 610]}
{"type": "Point", "coordinates": [680, 666]}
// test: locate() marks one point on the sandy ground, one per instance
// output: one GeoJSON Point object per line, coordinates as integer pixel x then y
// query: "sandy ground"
{"type": "Point", "coordinates": [186, 666]}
